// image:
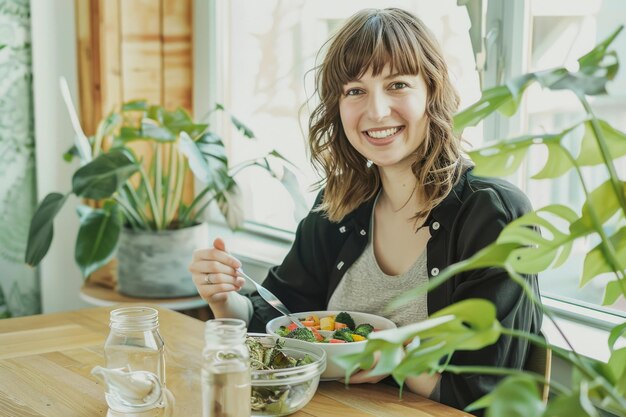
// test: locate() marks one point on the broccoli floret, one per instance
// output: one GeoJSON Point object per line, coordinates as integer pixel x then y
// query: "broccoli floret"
{"type": "Point", "coordinates": [344, 334]}
{"type": "Point", "coordinates": [302, 333]}
{"type": "Point", "coordinates": [346, 319]}
{"type": "Point", "coordinates": [364, 329]}
{"type": "Point", "coordinates": [282, 331]}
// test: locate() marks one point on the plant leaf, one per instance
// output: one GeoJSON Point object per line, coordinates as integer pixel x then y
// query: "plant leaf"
{"type": "Point", "coordinates": [538, 251]}
{"type": "Point", "coordinates": [605, 203]}
{"type": "Point", "coordinates": [566, 405]}
{"type": "Point", "coordinates": [230, 203]}
{"type": "Point", "coordinates": [98, 236]}
{"type": "Point", "coordinates": [501, 163]}
{"type": "Point", "coordinates": [590, 153]}
{"type": "Point", "coordinates": [104, 175]}
{"type": "Point", "coordinates": [558, 163]}
{"type": "Point", "coordinates": [41, 228]}
{"type": "Point", "coordinates": [612, 292]}
{"type": "Point", "coordinates": [617, 365]}
{"type": "Point", "coordinates": [135, 105]}
{"type": "Point", "coordinates": [516, 396]}
{"type": "Point", "coordinates": [617, 332]}
{"type": "Point", "coordinates": [151, 129]}
{"type": "Point", "coordinates": [245, 130]}
{"type": "Point", "coordinates": [595, 261]}
{"type": "Point", "coordinates": [207, 159]}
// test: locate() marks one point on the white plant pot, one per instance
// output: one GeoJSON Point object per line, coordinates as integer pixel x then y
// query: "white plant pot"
{"type": "Point", "coordinates": [154, 264]}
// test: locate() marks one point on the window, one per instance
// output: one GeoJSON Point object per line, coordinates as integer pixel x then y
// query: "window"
{"type": "Point", "coordinates": [558, 33]}
{"type": "Point", "coordinates": [267, 50]}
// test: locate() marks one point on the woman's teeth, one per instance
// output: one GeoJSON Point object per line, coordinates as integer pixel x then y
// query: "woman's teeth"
{"type": "Point", "coordinates": [381, 134]}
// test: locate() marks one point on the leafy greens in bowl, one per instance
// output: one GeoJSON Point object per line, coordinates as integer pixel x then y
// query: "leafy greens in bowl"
{"type": "Point", "coordinates": [285, 374]}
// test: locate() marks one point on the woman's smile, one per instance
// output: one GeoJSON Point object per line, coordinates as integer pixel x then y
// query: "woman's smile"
{"type": "Point", "coordinates": [383, 136]}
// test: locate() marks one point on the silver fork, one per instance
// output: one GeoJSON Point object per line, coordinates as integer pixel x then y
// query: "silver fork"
{"type": "Point", "coordinates": [271, 299]}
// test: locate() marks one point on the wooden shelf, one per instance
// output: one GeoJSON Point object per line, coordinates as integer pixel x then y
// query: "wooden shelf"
{"type": "Point", "coordinates": [101, 296]}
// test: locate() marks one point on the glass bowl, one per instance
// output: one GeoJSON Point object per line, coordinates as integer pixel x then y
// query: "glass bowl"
{"type": "Point", "coordinates": [279, 392]}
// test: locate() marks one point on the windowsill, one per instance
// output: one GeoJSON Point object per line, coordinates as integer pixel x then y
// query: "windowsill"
{"type": "Point", "coordinates": [587, 329]}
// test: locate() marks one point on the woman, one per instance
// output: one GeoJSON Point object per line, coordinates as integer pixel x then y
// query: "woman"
{"type": "Point", "coordinates": [398, 205]}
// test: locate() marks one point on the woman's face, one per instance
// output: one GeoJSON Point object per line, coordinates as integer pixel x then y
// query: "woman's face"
{"type": "Point", "coordinates": [384, 116]}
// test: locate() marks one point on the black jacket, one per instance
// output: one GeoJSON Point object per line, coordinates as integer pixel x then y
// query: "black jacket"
{"type": "Point", "coordinates": [467, 220]}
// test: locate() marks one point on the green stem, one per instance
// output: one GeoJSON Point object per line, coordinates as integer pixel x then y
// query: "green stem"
{"type": "Point", "coordinates": [194, 203]}
{"type": "Point", "coordinates": [158, 180]}
{"type": "Point", "coordinates": [168, 183]}
{"type": "Point", "coordinates": [178, 187]}
{"type": "Point", "coordinates": [137, 203]}
{"type": "Point", "coordinates": [201, 209]}
{"type": "Point", "coordinates": [607, 246]}
{"type": "Point", "coordinates": [618, 188]}
{"type": "Point", "coordinates": [489, 370]}
{"type": "Point", "coordinates": [156, 215]}
{"type": "Point", "coordinates": [131, 216]}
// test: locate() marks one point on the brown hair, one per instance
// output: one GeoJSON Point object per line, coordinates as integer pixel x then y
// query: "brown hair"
{"type": "Point", "coordinates": [372, 39]}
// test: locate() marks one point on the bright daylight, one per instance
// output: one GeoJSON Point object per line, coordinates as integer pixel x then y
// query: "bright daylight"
{"type": "Point", "coordinates": [313, 208]}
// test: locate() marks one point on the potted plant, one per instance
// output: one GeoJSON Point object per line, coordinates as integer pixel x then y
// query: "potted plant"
{"type": "Point", "coordinates": [139, 196]}
{"type": "Point", "coordinates": [599, 388]}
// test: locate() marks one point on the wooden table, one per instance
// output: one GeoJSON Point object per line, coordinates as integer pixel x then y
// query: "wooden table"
{"type": "Point", "coordinates": [45, 364]}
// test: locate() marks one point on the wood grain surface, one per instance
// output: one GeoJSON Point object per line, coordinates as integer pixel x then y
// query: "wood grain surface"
{"type": "Point", "coordinates": [45, 364]}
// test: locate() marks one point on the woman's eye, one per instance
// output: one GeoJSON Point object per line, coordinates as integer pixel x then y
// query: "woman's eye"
{"type": "Point", "coordinates": [398, 85]}
{"type": "Point", "coordinates": [353, 92]}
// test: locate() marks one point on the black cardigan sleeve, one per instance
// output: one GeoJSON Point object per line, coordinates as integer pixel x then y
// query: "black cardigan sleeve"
{"type": "Point", "coordinates": [301, 281]}
{"type": "Point", "coordinates": [483, 216]}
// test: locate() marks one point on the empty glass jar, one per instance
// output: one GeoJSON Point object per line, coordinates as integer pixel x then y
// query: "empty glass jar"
{"type": "Point", "coordinates": [134, 344]}
{"type": "Point", "coordinates": [225, 370]}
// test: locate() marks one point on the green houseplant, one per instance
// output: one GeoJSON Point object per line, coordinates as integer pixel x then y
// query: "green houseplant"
{"type": "Point", "coordinates": [140, 194]}
{"type": "Point", "coordinates": [598, 387]}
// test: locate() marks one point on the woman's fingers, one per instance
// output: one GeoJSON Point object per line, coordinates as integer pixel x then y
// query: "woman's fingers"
{"type": "Point", "coordinates": [214, 272]}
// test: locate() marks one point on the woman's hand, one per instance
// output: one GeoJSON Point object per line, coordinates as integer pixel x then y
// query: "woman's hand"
{"type": "Point", "coordinates": [364, 377]}
{"type": "Point", "coordinates": [214, 273]}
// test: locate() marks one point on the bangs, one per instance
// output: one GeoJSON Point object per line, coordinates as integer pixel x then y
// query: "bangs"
{"type": "Point", "coordinates": [381, 40]}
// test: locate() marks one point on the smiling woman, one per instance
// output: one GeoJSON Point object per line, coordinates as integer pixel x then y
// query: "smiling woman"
{"type": "Point", "coordinates": [398, 203]}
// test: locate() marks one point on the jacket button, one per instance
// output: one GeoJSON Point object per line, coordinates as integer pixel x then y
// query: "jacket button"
{"type": "Point", "coordinates": [340, 265]}
{"type": "Point", "coordinates": [434, 272]}
{"type": "Point", "coordinates": [342, 229]}
{"type": "Point", "coordinates": [435, 225]}
{"type": "Point", "coordinates": [362, 232]}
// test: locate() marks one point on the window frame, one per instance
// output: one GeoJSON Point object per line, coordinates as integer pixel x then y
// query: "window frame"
{"type": "Point", "coordinates": [513, 15]}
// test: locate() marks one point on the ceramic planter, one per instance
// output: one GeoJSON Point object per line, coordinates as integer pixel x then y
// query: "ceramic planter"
{"type": "Point", "coordinates": [154, 264]}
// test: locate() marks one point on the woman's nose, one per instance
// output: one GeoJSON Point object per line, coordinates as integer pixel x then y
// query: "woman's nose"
{"type": "Point", "coordinates": [378, 106]}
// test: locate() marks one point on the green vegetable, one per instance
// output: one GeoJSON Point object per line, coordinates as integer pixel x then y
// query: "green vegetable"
{"type": "Point", "coordinates": [344, 334]}
{"type": "Point", "coordinates": [275, 400]}
{"type": "Point", "coordinates": [346, 319]}
{"type": "Point", "coordinates": [302, 333]}
{"type": "Point", "coordinates": [364, 329]}
{"type": "Point", "coordinates": [282, 331]}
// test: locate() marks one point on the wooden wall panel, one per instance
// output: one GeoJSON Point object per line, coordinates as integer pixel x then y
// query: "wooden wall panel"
{"type": "Point", "coordinates": [110, 55]}
{"type": "Point", "coordinates": [177, 54]}
{"type": "Point", "coordinates": [142, 50]}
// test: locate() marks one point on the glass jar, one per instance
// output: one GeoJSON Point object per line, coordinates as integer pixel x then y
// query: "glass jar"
{"type": "Point", "coordinates": [225, 369]}
{"type": "Point", "coordinates": [134, 342]}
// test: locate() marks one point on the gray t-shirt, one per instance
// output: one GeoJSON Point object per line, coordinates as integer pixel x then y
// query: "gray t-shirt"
{"type": "Point", "coordinates": [366, 288]}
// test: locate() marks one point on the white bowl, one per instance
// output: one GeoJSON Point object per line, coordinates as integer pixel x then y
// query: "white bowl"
{"type": "Point", "coordinates": [333, 370]}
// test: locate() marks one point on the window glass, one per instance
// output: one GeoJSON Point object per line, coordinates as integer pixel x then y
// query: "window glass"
{"type": "Point", "coordinates": [561, 32]}
{"type": "Point", "coordinates": [270, 49]}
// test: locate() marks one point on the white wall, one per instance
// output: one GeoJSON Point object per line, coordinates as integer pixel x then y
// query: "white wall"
{"type": "Point", "coordinates": [54, 55]}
